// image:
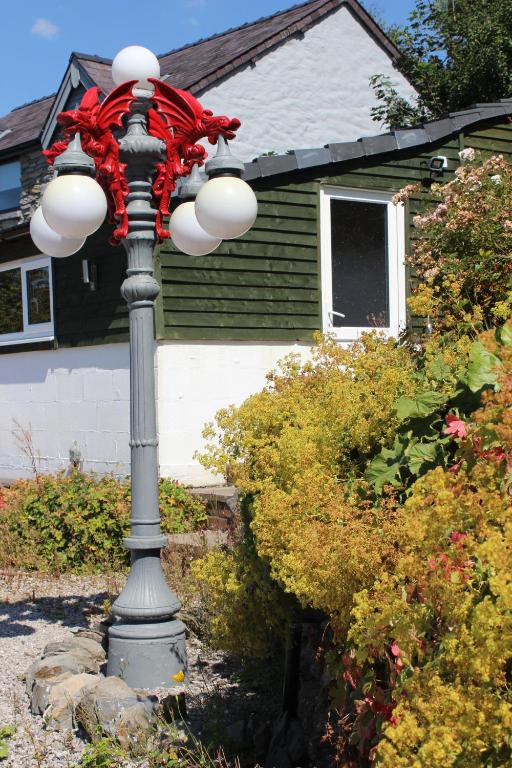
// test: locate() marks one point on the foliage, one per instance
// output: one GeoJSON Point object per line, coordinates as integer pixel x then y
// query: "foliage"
{"type": "Point", "coordinates": [258, 610]}
{"type": "Point", "coordinates": [167, 745]}
{"type": "Point", "coordinates": [463, 254]}
{"type": "Point", "coordinates": [431, 640]}
{"type": "Point", "coordinates": [316, 537]}
{"type": "Point", "coordinates": [424, 438]}
{"type": "Point", "coordinates": [411, 566]}
{"type": "Point", "coordinates": [78, 521]}
{"type": "Point", "coordinates": [455, 53]}
{"type": "Point", "coordinates": [6, 732]}
{"type": "Point", "coordinates": [329, 414]}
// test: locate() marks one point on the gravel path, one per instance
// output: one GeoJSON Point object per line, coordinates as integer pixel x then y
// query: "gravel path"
{"type": "Point", "coordinates": [33, 612]}
{"type": "Point", "coordinates": [36, 610]}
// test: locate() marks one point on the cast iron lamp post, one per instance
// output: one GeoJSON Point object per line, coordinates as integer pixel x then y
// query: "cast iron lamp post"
{"type": "Point", "coordinates": [137, 143]}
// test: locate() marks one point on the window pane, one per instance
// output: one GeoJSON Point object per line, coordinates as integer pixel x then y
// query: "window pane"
{"type": "Point", "coordinates": [11, 309]}
{"type": "Point", "coordinates": [38, 296]}
{"type": "Point", "coordinates": [10, 186]}
{"type": "Point", "coordinates": [359, 263]}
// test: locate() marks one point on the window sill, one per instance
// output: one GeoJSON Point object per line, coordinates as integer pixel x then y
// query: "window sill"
{"type": "Point", "coordinates": [27, 345]}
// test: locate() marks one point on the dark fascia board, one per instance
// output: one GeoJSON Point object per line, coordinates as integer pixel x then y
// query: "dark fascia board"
{"type": "Point", "coordinates": [373, 146]}
{"type": "Point", "coordinates": [14, 153]}
{"type": "Point", "coordinates": [74, 76]}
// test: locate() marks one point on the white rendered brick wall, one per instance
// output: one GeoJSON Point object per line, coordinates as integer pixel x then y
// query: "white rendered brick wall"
{"type": "Point", "coordinates": [195, 380]}
{"type": "Point", "coordinates": [63, 396]}
{"type": "Point", "coordinates": [307, 92]}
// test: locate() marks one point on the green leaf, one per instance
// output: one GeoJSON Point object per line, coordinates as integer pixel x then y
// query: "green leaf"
{"type": "Point", "coordinates": [384, 469]}
{"type": "Point", "coordinates": [4, 750]}
{"type": "Point", "coordinates": [439, 369]}
{"type": "Point", "coordinates": [421, 455]}
{"type": "Point", "coordinates": [481, 367]}
{"type": "Point", "coordinates": [423, 405]}
{"type": "Point", "coordinates": [504, 335]}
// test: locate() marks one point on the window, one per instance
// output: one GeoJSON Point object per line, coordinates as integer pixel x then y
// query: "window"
{"type": "Point", "coordinates": [26, 301]}
{"type": "Point", "coordinates": [363, 273]}
{"type": "Point", "coordinates": [10, 186]}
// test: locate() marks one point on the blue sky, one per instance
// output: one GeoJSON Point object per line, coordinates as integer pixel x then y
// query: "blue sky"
{"type": "Point", "coordinates": [39, 35]}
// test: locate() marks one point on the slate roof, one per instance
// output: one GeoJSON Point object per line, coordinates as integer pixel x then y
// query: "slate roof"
{"type": "Point", "coordinates": [23, 125]}
{"type": "Point", "coordinates": [198, 65]}
{"type": "Point", "coordinates": [370, 146]}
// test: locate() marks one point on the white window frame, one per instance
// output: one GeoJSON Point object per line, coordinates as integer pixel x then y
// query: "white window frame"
{"type": "Point", "coordinates": [31, 331]}
{"type": "Point", "coordinates": [396, 261]}
{"type": "Point", "coordinates": [14, 208]}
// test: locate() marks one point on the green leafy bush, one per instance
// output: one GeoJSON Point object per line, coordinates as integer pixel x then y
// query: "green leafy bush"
{"type": "Point", "coordinates": [78, 521]}
{"type": "Point", "coordinates": [337, 530]}
{"type": "Point", "coordinates": [463, 252]}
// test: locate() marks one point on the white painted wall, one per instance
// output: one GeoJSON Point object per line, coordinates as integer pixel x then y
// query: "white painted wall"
{"type": "Point", "coordinates": [62, 396]}
{"type": "Point", "coordinates": [82, 395]}
{"type": "Point", "coordinates": [195, 380]}
{"type": "Point", "coordinates": [307, 92]}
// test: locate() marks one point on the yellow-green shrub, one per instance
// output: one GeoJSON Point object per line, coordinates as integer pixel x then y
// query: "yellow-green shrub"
{"type": "Point", "coordinates": [432, 639]}
{"type": "Point", "coordinates": [300, 448]}
{"type": "Point", "coordinates": [330, 413]}
{"type": "Point", "coordinates": [78, 521]}
{"type": "Point", "coordinates": [416, 580]}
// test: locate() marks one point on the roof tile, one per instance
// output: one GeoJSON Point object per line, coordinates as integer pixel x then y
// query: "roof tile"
{"type": "Point", "coordinates": [346, 150]}
{"type": "Point", "coordinates": [25, 123]}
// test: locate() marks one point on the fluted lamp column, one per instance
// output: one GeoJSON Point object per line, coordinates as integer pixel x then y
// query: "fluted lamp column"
{"type": "Point", "coordinates": [146, 643]}
{"type": "Point", "coordinates": [135, 176]}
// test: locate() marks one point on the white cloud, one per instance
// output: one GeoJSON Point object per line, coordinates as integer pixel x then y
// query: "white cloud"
{"type": "Point", "coordinates": [44, 28]}
{"type": "Point", "coordinates": [193, 21]}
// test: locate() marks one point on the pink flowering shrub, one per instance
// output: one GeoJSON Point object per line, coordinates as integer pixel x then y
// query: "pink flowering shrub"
{"type": "Point", "coordinates": [463, 254]}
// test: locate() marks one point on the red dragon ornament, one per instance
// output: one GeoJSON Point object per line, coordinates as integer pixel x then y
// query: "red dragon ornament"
{"type": "Point", "coordinates": [177, 118]}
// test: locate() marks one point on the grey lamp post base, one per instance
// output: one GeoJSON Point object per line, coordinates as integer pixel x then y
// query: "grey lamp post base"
{"type": "Point", "coordinates": [146, 642]}
{"type": "Point", "coordinates": [147, 655]}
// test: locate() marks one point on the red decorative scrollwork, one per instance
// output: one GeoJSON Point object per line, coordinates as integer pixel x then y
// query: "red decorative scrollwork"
{"type": "Point", "coordinates": [177, 119]}
{"type": "Point", "coordinates": [180, 121]}
{"type": "Point", "coordinates": [96, 121]}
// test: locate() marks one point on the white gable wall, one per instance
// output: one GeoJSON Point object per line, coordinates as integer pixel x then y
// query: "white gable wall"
{"type": "Point", "coordinates": [308, 91]}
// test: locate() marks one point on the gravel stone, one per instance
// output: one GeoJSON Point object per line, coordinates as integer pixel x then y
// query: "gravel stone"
{"type": "Point", "coordinates": [37, 611]}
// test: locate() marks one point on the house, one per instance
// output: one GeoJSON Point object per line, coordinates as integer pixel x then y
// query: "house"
{"type": "Point", "coordinates": [223, 320]}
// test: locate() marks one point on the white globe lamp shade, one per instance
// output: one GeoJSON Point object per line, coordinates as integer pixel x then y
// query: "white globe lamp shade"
{"type": "Point", "coordinates": [135, 63]}
{"type": "Point", "coordinates": [74, 206]}
{"type": "Point", "coordinates": [226, 207]}
{"type": "Point", "coordinates": [188, 235]}
{"type": "Point", "coordinates": [50, 242]}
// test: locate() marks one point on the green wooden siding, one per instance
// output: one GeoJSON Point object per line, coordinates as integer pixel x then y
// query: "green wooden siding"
{"type": "Point", "coordinates": [266, 285]}
{"type": "Point", "coordinates": [83, 316]}
{"type": "Point", "coordinates": [263, 286]}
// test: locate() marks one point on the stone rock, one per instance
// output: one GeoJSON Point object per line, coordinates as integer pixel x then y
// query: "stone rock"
{"type": "Point", "coordinates": [101, 707]}
{"type": "Point", "coordinates": [64, 697]}
{"type": "Point", "coordinates": [41, 689]}
{"type": "Point", "coordinates": [98, 632]}
{"type": "Point", "coordinates": [46, 672]}
{"type": "Point", "coordinates": [295, 741]}
{"type": "Point", "coordinates": [133, 725]}
{"type": "Point", "coordinates": [288, 746]}
{"type": "Point", "coordinates": [86, 644]}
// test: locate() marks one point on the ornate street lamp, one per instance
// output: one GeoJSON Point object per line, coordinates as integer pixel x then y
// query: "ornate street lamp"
{"type": "Point", "coordinates": [137, 144]}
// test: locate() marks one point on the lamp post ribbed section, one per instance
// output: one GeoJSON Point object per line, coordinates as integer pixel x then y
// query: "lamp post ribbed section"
{"type": "Point", "coordinates": [146, 642]}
